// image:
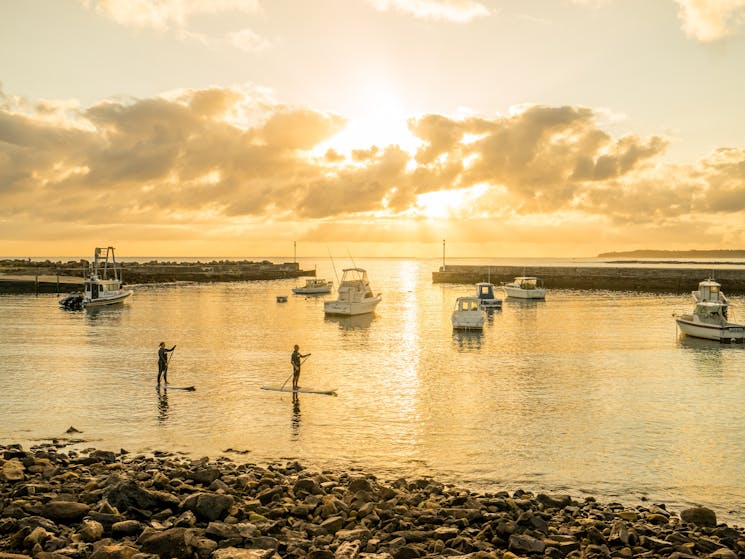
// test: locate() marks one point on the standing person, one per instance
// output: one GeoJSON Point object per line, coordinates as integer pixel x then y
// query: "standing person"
{"type": "Point", "coordinates": [295, 360]}
{"type": "Point", "coordinates": [163, 362]}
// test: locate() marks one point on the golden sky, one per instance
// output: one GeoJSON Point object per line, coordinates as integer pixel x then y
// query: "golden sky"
{"type": "Point", "coordinates": [235, 127]}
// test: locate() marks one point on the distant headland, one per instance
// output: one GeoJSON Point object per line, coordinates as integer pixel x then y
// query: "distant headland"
{"type": "Point", "coordinates": [706, 254]}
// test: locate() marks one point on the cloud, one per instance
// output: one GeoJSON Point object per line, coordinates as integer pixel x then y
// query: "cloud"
{"type": "Point", "coordinates": [457, 11]}
{"type": "Point", "coordinates": [218, 161]}
{"type": "Point", "coordinates": [711, 20]}
{"type": "Point", "coordinates": [165, 14]}
{"type": "Point", "coordinates": [247, 40]}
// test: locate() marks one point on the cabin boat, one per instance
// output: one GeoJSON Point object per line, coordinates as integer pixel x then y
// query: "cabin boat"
{"type": "Point", "coordinates": [467, 314]}
{"type": "Point", "coordinates": [354, 295]}
{"type": "Point", "coordinates": [487, 298]}
{"type": "Point", "coordinates": [709, 320]}
{"type": "Point", "coordinates": [314, 286]}
{"type": "Point", "coordinates": [102, 287]}
{"type": "Point", "coordinates": [525, 287]}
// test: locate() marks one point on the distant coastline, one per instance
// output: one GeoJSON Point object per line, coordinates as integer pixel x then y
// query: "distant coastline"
{"type": "Point", "coordinates": [705, 254]}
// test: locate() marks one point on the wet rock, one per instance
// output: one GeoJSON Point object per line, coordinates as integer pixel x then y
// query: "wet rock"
{"type": "Point", "coordinates": [700, 516]}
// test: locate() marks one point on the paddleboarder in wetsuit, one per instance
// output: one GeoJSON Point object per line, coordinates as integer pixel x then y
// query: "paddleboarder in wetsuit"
{"type": "Point", "coordinates": [163, 362]}
{"type": "Point", "coordinates": [295, 360]}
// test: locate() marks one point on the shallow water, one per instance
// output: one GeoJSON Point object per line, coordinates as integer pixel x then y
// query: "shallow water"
{"type": "Point", "coordinates": [587, 392]}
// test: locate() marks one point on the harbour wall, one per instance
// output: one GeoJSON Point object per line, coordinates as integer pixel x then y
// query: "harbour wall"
{"type": "Point", "coordinates": [646, 279]}
{"type": "Point", "coordinates": [66, 279]}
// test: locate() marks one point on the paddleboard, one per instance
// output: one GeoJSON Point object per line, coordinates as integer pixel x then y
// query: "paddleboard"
{"type": "Point", "coordinates": [191, 388]}
{"type": "Point", "coordinates": [331, 392]}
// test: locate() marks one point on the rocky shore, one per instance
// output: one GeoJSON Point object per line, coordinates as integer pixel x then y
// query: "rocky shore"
{"type": "Point", "coordinates": [57, 504]}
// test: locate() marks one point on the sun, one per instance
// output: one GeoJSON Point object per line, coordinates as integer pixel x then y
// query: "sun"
{"type": "Point", "coordinates": [444, 204]}
{"type": "Point", "coordinates": [379, 119]}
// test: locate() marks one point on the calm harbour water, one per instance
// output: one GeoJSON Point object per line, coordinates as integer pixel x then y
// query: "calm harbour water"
{"type": "Point", "coordinates": [586, 393]}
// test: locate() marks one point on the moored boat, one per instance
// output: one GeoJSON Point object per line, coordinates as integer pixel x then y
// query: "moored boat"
{"type": "Point", "coordinates": [467, 314]}
{"type": "Point", "coordinates": [487, 298]}
{"type": "Point", "coordinates": [102, 287]}
{"type": "Point", "coordinates": [525, 287]}
{"type": "Point", "coordinates": [709, 318]}
{"type": "Point", "coordinates": [314, 286]}
{"type": "Point", "coordinates": [354, 295]}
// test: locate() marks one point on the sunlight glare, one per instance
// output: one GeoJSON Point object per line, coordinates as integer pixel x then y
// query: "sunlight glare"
{"type": "Point", "coordinates": [444, 203]}
{"type": "Point", "coordinates": [379, 121]}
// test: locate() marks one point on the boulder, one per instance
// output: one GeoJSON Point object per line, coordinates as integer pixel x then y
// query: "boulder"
{"type": "Point", "coordinates": [701, 516]}
{"type": "Point", "coordinates": [208, 506]}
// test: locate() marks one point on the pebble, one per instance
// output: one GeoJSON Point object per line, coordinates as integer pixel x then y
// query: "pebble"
{"type": "Point", "coordinates": [96, 504]}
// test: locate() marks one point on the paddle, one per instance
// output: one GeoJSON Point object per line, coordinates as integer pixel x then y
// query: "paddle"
{"type": "Point", "coordinates": [293, 372]}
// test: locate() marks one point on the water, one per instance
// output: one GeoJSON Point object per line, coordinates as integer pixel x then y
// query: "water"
{"type": "Point", "coordinates": [585, 393]}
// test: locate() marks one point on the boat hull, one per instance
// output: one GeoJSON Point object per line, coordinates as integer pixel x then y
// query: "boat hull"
{"type": "Point", "coordinates": [345, 308]}
{"type": "Point", "coordinates": [311, 290]}
{"type": "Point", "coordinates": [519, 293]}
{"type": "Point", "coordinates": [109, 300]}
{"type": "Point", "coordinates": [727, 333]}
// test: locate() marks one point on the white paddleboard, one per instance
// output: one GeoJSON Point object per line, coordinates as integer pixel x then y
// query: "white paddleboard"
{"type": "Point", "coordinates": [331, 392]}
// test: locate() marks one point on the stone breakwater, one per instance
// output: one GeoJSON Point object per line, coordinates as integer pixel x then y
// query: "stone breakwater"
{"type": "Point", "coordinates": [105, 505]}
{"type": "Point", "coordinates": [612, 278]}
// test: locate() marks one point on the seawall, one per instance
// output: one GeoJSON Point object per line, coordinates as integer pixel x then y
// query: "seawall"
{"type": "Point", "coordinates": [626, 278]}
{"type": "Point", "coordinates": [64, 278]}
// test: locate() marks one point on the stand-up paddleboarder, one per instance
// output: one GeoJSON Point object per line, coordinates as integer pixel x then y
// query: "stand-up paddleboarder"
{"type": "Point", "coordinates": [295, 360]}
{"type": "Point", "coordinates": [163, 362]}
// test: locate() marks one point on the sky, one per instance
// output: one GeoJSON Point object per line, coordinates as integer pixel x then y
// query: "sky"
{"type": "Point", "coordinates": [534, 128]}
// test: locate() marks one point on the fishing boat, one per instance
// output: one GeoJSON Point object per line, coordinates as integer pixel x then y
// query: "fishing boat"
{"type": "Point", "coordinates": [102, 287]}
{"type": "Point", "coordinates": [354, 295]}
{"type": "Point", "coordinates": [487, 298]}
{"type": "Point", "coordinates": [314, 286]}
{"type": "Point", "coordinates": [525, 287]}
{"type": "Point", "coordinates": [709, 320]}
{"type": "Point", "coordinates": [467, 314]}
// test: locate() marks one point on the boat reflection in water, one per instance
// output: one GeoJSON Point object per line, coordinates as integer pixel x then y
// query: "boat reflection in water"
{"type": "Point", "coordinates": [355, 322]}
{"type": "Point", "coordinates": [466, 340]}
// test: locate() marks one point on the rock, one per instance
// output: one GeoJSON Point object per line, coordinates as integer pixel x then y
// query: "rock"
{"type": "Point", "coordinates": [12, 471]}
{"type": "Point", "coordinates": [347, 550]}
{"type": "Point", "coordinates": [524, 544]}
{"type": "Point", "coordinates": [91, 530]}
{"type": "Point", "coordinates": [4, 555]}
{"type": "Point", "coordinates": [126, 528]}
{"type": "Point", "coordinates": [723, 553]}
{"type": "Point", "coordinates": [333, 524]}
{"type": "Point", "coordinates": [127, 495]}
{"type": "Point", "coordinates": [237, 553]}
{"type": "Point", "coordinates": [114, 552]}
{"type": "Point", "coordinates": [175, 542]}
{"type": "Point", "coordinates": [209, 506]}
{"type": "Point", "coordinates": [701, 516]}
{"type": "Point", "coordinates": [65, 511]}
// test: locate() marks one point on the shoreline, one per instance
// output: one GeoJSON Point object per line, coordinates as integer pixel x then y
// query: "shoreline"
{"type": "Point", "coordinates": [57, 504]}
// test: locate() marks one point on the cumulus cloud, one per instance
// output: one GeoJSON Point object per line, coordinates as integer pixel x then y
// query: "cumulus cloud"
{"type": "Point", "coordinates": [711, 20]}
{"type": "Point", "coordinates": [458, 11]}
{"type": "Point", "coordinates": [193, 160]}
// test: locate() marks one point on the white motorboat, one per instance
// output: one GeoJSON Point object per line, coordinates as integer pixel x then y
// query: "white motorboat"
{"type": "Point", "coordinates": [486, 296]}
{"type": "Point", "coordinates": [314, 286]}
{"type": "Point", "coordinates": [102, 287]}
{"type": "Point", "coordinates": [467, 314]}
{"type": "Point", "coordinates": [525, 287]}
{"type": "Point", "coordinates": [709, 317]}
{"type": "Point", "coordinates": [354, 295]}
